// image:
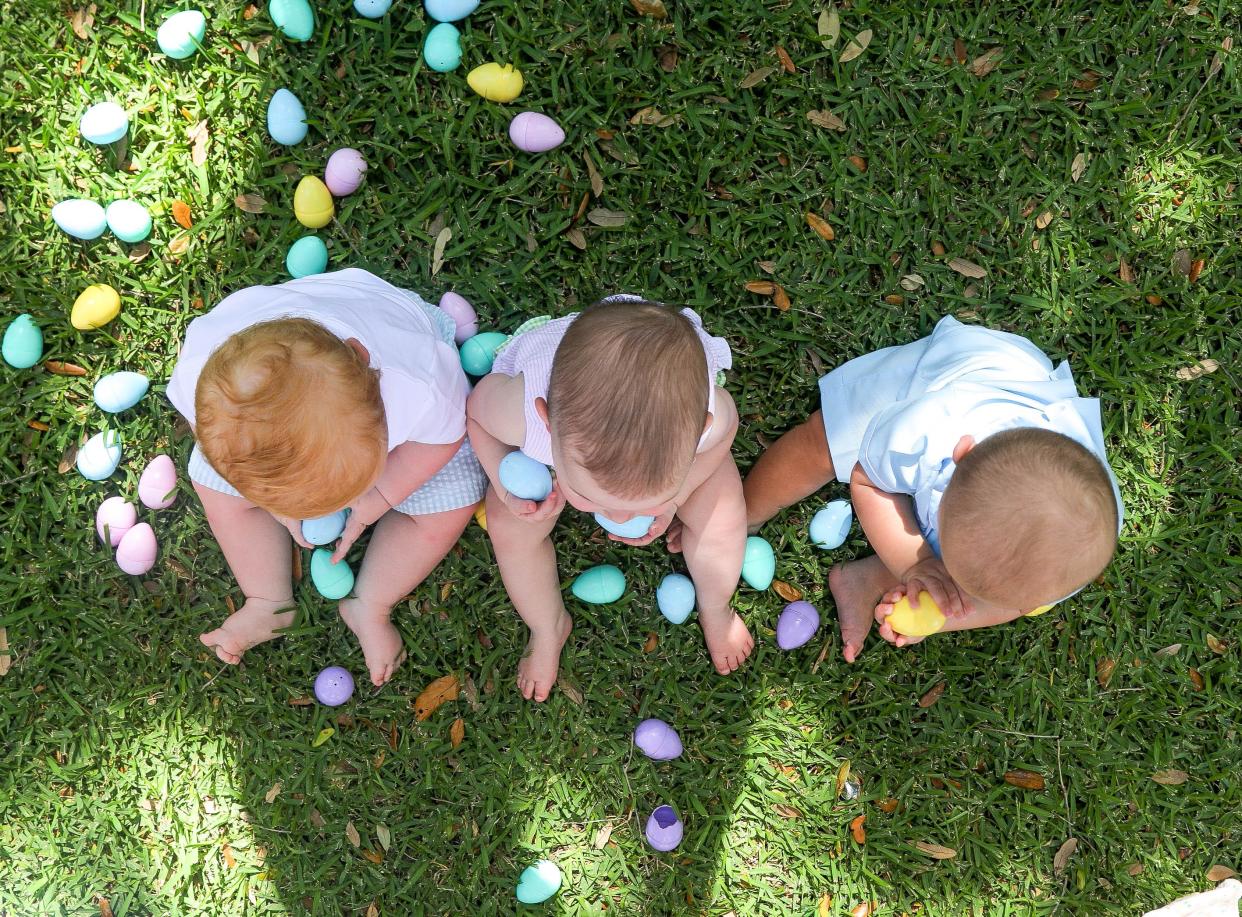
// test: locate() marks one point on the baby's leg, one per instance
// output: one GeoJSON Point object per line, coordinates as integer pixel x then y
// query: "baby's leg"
{"type": "Point", "coordinates": [257, 549]}
{"type": "Point", "coordinates": [794, 467]}
{"type": "Point", "coordinates": [403, 551]}
{"type": "Point", "coordinates": [856, 587]}
{"type": "Point", "coordinates": [714, 540]}
{"type": "Point", "coordinates": [527, 561]}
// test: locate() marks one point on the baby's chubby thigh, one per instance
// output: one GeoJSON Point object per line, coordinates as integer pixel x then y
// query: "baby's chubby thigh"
{"type": "Point", "coordinates": [714, 527]}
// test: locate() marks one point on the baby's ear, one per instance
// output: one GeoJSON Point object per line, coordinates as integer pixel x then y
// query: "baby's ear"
{"type": "Point", "coordinates": [964, 445]}
{"type": "Point", "coordinates": [541, 408]}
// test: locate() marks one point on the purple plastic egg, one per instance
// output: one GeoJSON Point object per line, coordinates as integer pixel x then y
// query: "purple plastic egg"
{"type": "Point", "coordinates": [657, 740]}
{"type": "Point", "coordinates": [136, 552]}
{"type": "Point", "coordinates": [333, 686]}
{"type": "Point", "coordinates": [796, 625]}
{"type": "Point", "coordinates": [533, 132]}
{"type": "Point", "coordinates": [344, 171]}
{"type": "Point", "coordinates": [664, 829]}
{"type": "Point", "coordinates": [114, 518]}
{"type": "Point", "coordinates": [458, 308]}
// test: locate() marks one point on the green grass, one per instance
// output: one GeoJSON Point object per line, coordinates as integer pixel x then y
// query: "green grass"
{"type": "Point", "coordinates": [131, 760]}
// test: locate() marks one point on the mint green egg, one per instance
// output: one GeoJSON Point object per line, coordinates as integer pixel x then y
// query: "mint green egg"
{"type": "Point", "coordinates": [182, 34]}
{"type": "Point", "coordinates": [600, 585]}
{"type": "Point", "coordinates": [334, 581]}
{"type": "Point", "coordinates": [442, 48]}
{"type": "Point", "coordinates": [759, 563]}
{"type": "Point", "coordinates": [128, 220]}
{"type": "Point", "coordinates": [308, 255]}
{"type": "Point", "coordinates": [478, 352]}
{"type": "Point", "coordinates": [23, 342]}
{"type": "Point", "coordinates": [293, 17]}
{"type": "Point", "coordinates": [538, 883]}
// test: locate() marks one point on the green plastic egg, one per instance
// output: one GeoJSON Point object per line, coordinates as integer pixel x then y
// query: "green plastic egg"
{"type": "Point", "coordinates": [442, 48]}
{"type": "Point", "coordinates": [538, 883]}
{"type": "Point", "coordinates": [334, 581]}
{"type": "Point", "coordinates": [182, 34]}
{"type": "Point", "coordinates": [23, 343]}
{"type": "Point", "coordinates": [759, 563]}
{"type": "Point", "coordinates": [478, 352]}
{"type": "Point", "coordinates": [308, 255]}
{"type": "Point", "coordinates": [293, 17]}
{"type": "Point", "coordinates": [600, 585]}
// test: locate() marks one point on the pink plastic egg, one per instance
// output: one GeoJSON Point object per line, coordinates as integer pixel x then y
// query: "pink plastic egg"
{"type": "Point", "coordinates": [532, 132]}
{"type": "Point", "coordinates": [344, 171]}
{"type": "Point", "coordinates": [157, 488]}
{"type": "Point", "coordinates": [136, 552]}
{"type": "Point", "coordinates": [458, 308]}
{"type": "Point", "coordinates": [114, 518]}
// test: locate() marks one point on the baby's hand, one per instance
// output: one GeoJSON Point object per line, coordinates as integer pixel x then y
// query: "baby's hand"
{"type": "Point", "coordinates": [363, 512]}
{"type": "Point", "coordinates": [657, 528]}
{"type": "Point", "coordinates": [883, 610]}
{"type": "Point", "coordinates": [295, 529]}
{"type": "Point", "coordinates": [930, 576]}
{"type": "Point", "coordinates": [530, 511]}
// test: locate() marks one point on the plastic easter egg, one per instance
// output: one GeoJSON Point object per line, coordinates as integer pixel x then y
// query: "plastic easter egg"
{"type": "Point", "coordinates": [657, 740]}
{"type": "Point", "coordinates": [496, 82]}
{"type": "Point", "coordinates": [478, 352]}
{"type": "Point", "coordinates": [759, 563]}
{"type": "Point", "coordinates": [325, 529]}
{"type": "Point", "coordinates": [533, 132]}
{"type": "Point", "coordinates": [128, 220]}
{"type": "Point", "coordinates": [293, 17]}
{"type": "Point", "coordinates": [333, 686]}
{"type": "Point", "coordinates": [450, 10]}
{"type": "Point", "coordinates": [334, 581]}
{"type": "Point", "coordinates": [675, 597]}
{"type": "Point", "coordinates": [372, 9]}
{"type": "Point", "coordinates": [117, 392]}
{"type": "Point", "coordinates": [95, 306]}
{"type": "Point", "coordinates": [796, 625]}
{"type": "Point", "coordinates": [104, 123]}
{"type": "Point", "coordinates": [831, 525]}
{"type": "Point", "coordinates": [312, 203]}
{"type": "Point", "coordinates": [344, 171]}
{"type": "Point", "coordinates": [442, 48]}
{"type": "Point", "coordinates": [182, 34]}
{"type": "Point", "coordinates": [634, 528]}
{"type": "Point", "coordinates": [80, 218]}
{"type": "Point", "coordinates": [524, 477]}
{"type": "Point", "coordinates": [114, 518]}
{"type": "Point", "coordinates": [480, 516]}
{"type": "Point", "coordinates": [286, 118]}
{"type": "Point", "coordinates": [599, 585]}
{"type": "Point", "coordinates": [157, 487]}
{"type": "Point", "coordinates": [98, 458]}
{"type": "Point", "coordinates": [664, 829]}
{"type": "Point", "coordinates": [23, 343]}
{"type": "Point", "coordinates": [916, 622]}
{"type": "Point", "coordinates": [458, 308]}
{"type": "Point", "coordinates": [136, 552]}
{"type": "Point", "coordinates": [308, 255]}
{"type": "Point", "coordinates": [538, 883]}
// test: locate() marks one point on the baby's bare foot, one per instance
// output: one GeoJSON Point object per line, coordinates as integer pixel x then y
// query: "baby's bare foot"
{"type": "Point", "coordinates": [728, 640]}
{"type": "Point", "coordinates": [542, 660]}
{"type": "Point", "coordinates": [255, 622]}
{"type": "Point", "coordinates": [856, 587]}
{"type": "Point", "coordinates": [380, 641]}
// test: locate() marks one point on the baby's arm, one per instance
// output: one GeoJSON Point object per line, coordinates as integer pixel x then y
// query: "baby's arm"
{"type": "Point", "coordinates": [977, 614]}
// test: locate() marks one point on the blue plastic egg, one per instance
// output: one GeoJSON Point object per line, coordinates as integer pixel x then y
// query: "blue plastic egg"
{"type": "Point", "coordinates": [442, 48]}
{"type": "Point", "coordinates": [293, 17]}
{"type": "Point", "coordinates": [100, 456]}
{"type": "Point", "coordinates": [478, 352]}
{"type": "Point", "coordinates": [634, 528]}
{"type": "Point", "coordinates": [372, 9]}
{"type": "Point", "coordinates": [334, 581]}
{"type": "Point", "coordinates": [308, 255]}
{"type": "Point", "coordinates": [81, 218]}
{"type": "Point", "coordinates": [286, 118]}
{"type": "Point", "coordinates": [524, 477]}
{"type": "Point", "coordinates": [599, 585]}
{"type": "Point", "coordinates": [120, 391]}
{"type": "Point", "coordinates": [182, 34]}
{"type": "Point", "coordinates": [104, 123]}
{"type": "Point", "coordinates": [538, 883]}
{"type": "Point", "coordinates": [325, 529]}
{"type": "Point", "coordinates": [128, 220]}
{"type": "Point", "coordinates": [675, 597]}
{"type": "Point", "coordinates": [759, 563]}
{"type": "Point", "coordinates": [23, 343]}
{"type": "Point", "coordinates": [831, 525]}
{"type": "Point", "coordinates": [450, 10]}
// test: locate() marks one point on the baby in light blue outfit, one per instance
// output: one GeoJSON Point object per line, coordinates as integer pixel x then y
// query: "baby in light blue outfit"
{"type": "Point", "coordinates": [976, 471]}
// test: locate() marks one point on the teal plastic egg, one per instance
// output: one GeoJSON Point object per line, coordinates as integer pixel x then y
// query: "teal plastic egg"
{"type": "Point", "coordinates": [538, 883]}
{"type": "Point", "coordinates": [293, 17]}
{"type": "Point", "coordinates": [635, 527]}
{"type": "Point", "coordinates": [478, 352]}
{"type": "Point", "coordinates": [286, 118]}
{"type": "Point", "coordinates": [450, 10]}
{"type": "Point", "coordinates": [831, 525]}
{"type": "Point", "coordinates": [308, 255]}
{"type": "Point", "coordinates": [81, 218]}
{"type": "Point", "coordinates": [104, 123]}
{"type": "Point", "coordinates": [182, 34]}
{"type": "Point", "coordinates": [759, 563]}
{"type": "Point", "coordinates": [128, 220]}
{"type": "Point", "coordinates": [334, 581]}
{"type": "Point", "coordinates": [524, 477]}
{"type": "Point", "coordinates": [600, 585]}
{"type": "Point", "coordinates": [100, 456]}
{"type": "Point", "coordinates": [372, 9]}
{"type": "Point", "coordinates": [120, 391]}
{"type": "Point", "coordinates": [442, 48]}
{"type": "Point", "coordinates": [675, 597]}
{"type": "Point", "coordinates": [23, 343]}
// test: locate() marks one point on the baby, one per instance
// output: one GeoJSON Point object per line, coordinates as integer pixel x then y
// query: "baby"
{"type": "Point", "coordinates": [622, 402]}
{"type": "Point", "coordinates": [337, 390]}
{"type": "Point", "coordinates": [975, 470]}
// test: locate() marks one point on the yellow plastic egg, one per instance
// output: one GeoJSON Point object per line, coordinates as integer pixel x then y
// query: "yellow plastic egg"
{"type": "Point", "coordinates": [312, 203]}
{"type": "Point", "coordinates": [97, 305]}
{"type": "Point", "coordinates": [480, 516]}
{"type": "Point", "coordinates": [916, 622]}
{"type": "Point", "coordinates": [496, 82]}
{"type": "Point", "coordinates": [1040, 610]}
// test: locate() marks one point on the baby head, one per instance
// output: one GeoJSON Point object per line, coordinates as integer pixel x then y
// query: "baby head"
{"type": "Point", "coordinates": [627, 405]}
{"type": "Point", "coordinates": [1028, 518]}
{"type": "Point", "coordinates": [291, 416]}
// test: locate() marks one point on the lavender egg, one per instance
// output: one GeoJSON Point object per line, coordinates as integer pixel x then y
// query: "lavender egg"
{"type": "Point", "coordinates": [796, 625]}
{"type": "Point", "coordinates": [657, 740]}
{"type": "Point", "coordinates": [533, 132]}
{"type": "Point", "coordinates": [344, 171]}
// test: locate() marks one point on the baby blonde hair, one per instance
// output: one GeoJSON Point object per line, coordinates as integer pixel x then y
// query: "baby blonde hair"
{"type": "Point", "coordinates": [1028, 517]}
{"type": "Point", "coordinates": [291, 416]}
{"type": "Point", "coordinates": [628, 395]}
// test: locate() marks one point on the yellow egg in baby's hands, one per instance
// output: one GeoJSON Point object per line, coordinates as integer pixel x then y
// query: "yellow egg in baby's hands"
{"type": "Point", "coordinates": [312, 203]}
{"type": "Point", "coordinates": [916, 622]}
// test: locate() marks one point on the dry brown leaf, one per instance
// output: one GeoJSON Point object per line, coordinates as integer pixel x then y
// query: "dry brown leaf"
{"type": "Point", "coordinates": [755, 77]}
{"type": "Point", "coordinates": [568, 687]}
{"type": "Point", "coordinates": [6, 658]}
{"type": "Point", "coordinates": [888, 805]}
{"type": "Point", "coordinates": [1196, 268]}
{"type": "Point", "coordinates": [1134, 869]}
{"type": "Point", "coordinates": [576, 238]}
{"type": "Point", "coordinates": [178, 245]}
{"type": "Point", "coordinates": [843, 775]}
{"type": "Point", "coordinates": [1104, 671]}
{"type": "Point", "coordinates": [440, 691]}
{"type": "Point", "coordinates": [1042, 221]}
{"type": "Point", "coordinates": [251, 203]}
{"type": "Point", "coordinates": [959, 51]}
{"type": "Point", "coordinates": [1063, 854]}
{"type": "Point", "coordinates": [61, 368]}
{"type": "Point", "coordinates": [602, 216]}
{"type": "Point", "coordinates": [826, 119]}
{"type": "Point", "coordinates": [1182, 261]}
{"type": "Point", "coordinates": [373, 856]}
{"type": "Point", "coordinates": [457, 732]}
{"type": "Point", "coordinates": [1218, 59]}
{"type": "Point", "coordinates": [602, 836]}
{"type": "Point", "coordinates": [821, 227]}
{"type": "Point", "coordinates": [38, 425]}
{"type": "Point", "coordinates": [1079, 166]}
{"type": "Point", "coordinates": [668, 58]}
{"type": "Point", "coordinates": [653, 117]}
{"type": "Point", "coordinates": [829, 26]}
{"type": "Point", "coordinates": [1047, 95]}
{"type": "Point", "coordinates": [937, 248]}
{"type": "Point", "coordinates": [352, 833]}
{"type": "Point", "coordinates": [82, 21]}
{"type": "Point", "coordinates": [894, 299]}
{"type": "Point", "coordinates": [932, 696]}
{"type": "Point", "coordinates": [437, 252]}
{"type": "Point", "coordinates": [653, 640]}
{"type": "Point", "coordinates": [68, 458]}
{"type": "Point", "coordinates": [863, 909]}
{"type": "Point", "coordinates": [768, 267]}
{"type": "Point", "coordinates": [857, 831]}
{"type": "Point", "coordinates": [1171, 650]}
{"type": "Point", "coordinates": [824, 908]}
{"type": "Point", "coordinates": [1220, 873]}
{"type": "Point", "coordinates": [780, 298]}
{"type": "Point", "coordinates": [181, 213]}
{"type": "Point", "coordinates": [762, 287]}
{"type": "Point", "coordinates": [785, 811]}
{"type": "Point", "coordinates": [1088, 81]}
{"type": "Point", "coordinates": [967, 268]}
{"type": "Point", "coordinates": [105, 908]}
{"type": "Point", "coordinates": [986, 62]}
{"type": "Point", "coordinates": [787, 592]}
{"type": "Point", "coordinates": [199, 138]}
{"type": "Point", "coordinates": [1026, 780]}
{"type": "Point", "coordinates": [857, 162]}
{"type": "Point", "coordinates": [1196, 679]}
{"type": "Point", "coordinates": [911, 282]}
{"type": "Point", "coordinates": [1202, 368]}
{"type": "Point", "coordinates": [597, 180]}
{"type": "Point", "coordinates": [855, 46]}
{"type": "Point", "coordinates": [653, 8]}
{"type": "Point", "coordinates": [1125, 271]}
{"type": "Point", "coordinates": [270, 796]}
{"type": "Point", "coordinates": [139, 252]}
{"type": "Point", "coordinates": [786, 60]}
{"type": "Point", "coordinates": [227, 853]}
{"type": "Point", "coordinates": [1170, 777]}
{"type": "Point", "coordinates": [1216, 645]}
{"type": "Point", "coordinates": [935, 851]}
{"type": "Point", "coordinates": [372, 910]}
